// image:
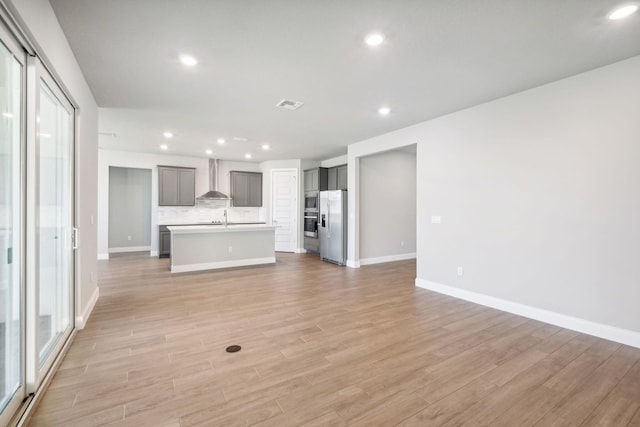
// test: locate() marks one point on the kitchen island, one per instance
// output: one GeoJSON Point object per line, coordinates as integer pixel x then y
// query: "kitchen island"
{"type": "Point", "coordinates": [207, 247]}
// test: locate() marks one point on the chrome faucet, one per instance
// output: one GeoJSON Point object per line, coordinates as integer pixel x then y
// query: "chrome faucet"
{"type": "Point", "coordinates": [225, 218]}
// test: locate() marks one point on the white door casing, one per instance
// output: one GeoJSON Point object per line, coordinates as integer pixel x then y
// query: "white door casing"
{"type": "Point", "coordinates": [284, 208]}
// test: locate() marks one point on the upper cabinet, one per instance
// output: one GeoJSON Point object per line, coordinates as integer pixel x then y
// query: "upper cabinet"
{"type": "Point", "coordinates": [176, 186]}
{"type": "Point", "coordinates": [342, 177]}
{"type": "Point", "coordinates": [315, 179]}
{"type": "Point", "coordinates": [246, 188]}
{"type": "Point", "coordinates": [337, 178]}
{"type": "Point", "coordinates": [310, 180]}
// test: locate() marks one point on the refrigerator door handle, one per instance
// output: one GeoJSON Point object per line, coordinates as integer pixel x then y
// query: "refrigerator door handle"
{"type": "Point", "coordinates": [329, 217]}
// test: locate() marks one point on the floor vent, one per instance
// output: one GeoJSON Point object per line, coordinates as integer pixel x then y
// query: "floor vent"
{"type": "Point", "coordinates": [289, 104]}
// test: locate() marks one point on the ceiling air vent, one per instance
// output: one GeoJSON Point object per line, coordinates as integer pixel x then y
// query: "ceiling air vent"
{"type": "Point", "coordinates": [289, 104]}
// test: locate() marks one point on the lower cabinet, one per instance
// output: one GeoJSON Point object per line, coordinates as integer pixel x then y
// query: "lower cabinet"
{"type": "Point", "coordinates": [164, 242]}
{"type": "Point", "coordinates": [311, 244]}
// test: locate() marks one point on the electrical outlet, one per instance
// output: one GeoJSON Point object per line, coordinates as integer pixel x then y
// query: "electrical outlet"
{"type": "Point", "coordinates": [402, 243]}
{"type": "Point", "coordinates": [435, 219]}
{"type": "Point", "coordinates": [128, 237]}
{"type": "Point", "coordinates": [230, 249]}
{"type": "Point", "coordinates": [93, 279]}
{"type": "Point", "coordinates": [459, 271]}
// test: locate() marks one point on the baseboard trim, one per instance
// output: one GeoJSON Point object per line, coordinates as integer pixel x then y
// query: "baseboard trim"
{"type": "Point", "coordinates": [81, 320]}
{"type": "Point", "coordinates": [300, 251]}
{"type": "Point", "coordinates": [353, 264]}
{"type": "Point", "coordinates": [103, 257]}
{"type": "Point", "coordinates": [612, 333]}
{"type": "Point", "coordinates": [129, 249]}
{"type": "Point", "coordinates": [388, 258]}
{"type": "Point", "coordinates": [221, 264]}
{"type": "Point", "coordinates": [153, 253]}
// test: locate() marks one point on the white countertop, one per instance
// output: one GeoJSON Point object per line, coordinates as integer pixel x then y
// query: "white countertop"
{"type": "Point", "coordinates": [178, 222]}
{"type": "Point", "coordinates": [231, 228]}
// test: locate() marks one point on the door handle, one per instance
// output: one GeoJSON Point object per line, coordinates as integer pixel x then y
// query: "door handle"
{"type": "Point", "coordinates": [74, 238]}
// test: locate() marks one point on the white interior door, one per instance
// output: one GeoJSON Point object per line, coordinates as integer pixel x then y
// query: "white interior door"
{"type": "Point", "coordinates": [284, 208]}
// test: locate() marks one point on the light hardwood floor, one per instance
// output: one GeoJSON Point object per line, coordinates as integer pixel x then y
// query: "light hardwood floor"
{"type": "Point", "coordinates": [324, 345]}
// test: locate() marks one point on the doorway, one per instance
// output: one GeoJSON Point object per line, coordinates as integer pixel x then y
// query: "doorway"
{"type": "Point", "coordinates": [129, 209]}
{"type": "Point", "coordinates": [388, 234]}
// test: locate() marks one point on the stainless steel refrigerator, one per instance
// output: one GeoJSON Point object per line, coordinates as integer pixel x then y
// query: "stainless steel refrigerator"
{"type": "Point", "coordinates": [332, 226]}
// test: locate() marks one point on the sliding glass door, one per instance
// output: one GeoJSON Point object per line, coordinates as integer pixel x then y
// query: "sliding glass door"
{"type": "Point", "coordinates": [36, 224]}
{"type": "Point", "coordinates": [11, 229]}
{"type": "Point", "coordinates": [50, 220]}
{"type": "Point", "coordinates": [55, 221]}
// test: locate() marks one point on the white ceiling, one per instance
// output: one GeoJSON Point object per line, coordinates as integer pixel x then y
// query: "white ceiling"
{"type": "Point", "coordinates": [438, 57]}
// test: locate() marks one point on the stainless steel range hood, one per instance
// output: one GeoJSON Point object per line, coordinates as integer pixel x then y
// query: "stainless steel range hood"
{"type": "Point", "coordinates": [213, 193]}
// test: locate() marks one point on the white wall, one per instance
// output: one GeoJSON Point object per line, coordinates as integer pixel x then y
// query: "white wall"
{"type": "Point", "coordinates": [388, 207]}
{"type": "Point", "coordinates": [41, 25]}
{"type": "Point", "coordinates": [334, 161]}
{"type": "Point", "coordinates": [539, 200]}
{"type": "Point", "coordinates": [309, 164]}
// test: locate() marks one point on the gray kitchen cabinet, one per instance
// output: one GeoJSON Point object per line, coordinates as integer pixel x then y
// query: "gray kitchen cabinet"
{"type": "Point", "coordinates": [310, 180]}
{"type": "Point", "coordinates": [246, 188]}
{"type": "Point", "coordinates": [312, 244]}
{"type": "Point", "coordinates": [315, 179]}
{"type": "Point", "coordinates": [176, 186]}
{"type": "Point", "coordinates": [337, 178]}
{"type": "Point", "coordinates": [342, 177]}
{"type": "Point", "coordinates": [164, 242]}
{"type": "Point", "coordinates": [333, 179]}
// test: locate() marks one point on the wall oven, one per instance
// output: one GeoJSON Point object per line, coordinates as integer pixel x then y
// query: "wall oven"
{"type": "Point", "coordinates": [311, 223]}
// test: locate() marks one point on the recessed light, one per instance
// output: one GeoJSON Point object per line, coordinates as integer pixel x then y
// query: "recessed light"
{"type": "Point", "coordinates": [247, 156]}
{"type": "Point", "coordinates": [265, 147]}
{"type": "Point", "coordinates": [45, 135]}
{"type": "Point", "coordinates": [623, 12]}
{"type": "Point", "coordinates": [164, 147]}
{"type": "Point", "coordinates": [374, 39]}
{"type": "Point", "coordinates": [383, 111]}
{"type": "Point", "coordinates": [168, 134]}
{"type": "Point", "coordinates": [209, 152]}
{"type": "Point", "coordinates": [221, 141]}
{"type": "Point", "coordinates": [8, 115]}
{"type": "Point", "coordinates": [188, 60]}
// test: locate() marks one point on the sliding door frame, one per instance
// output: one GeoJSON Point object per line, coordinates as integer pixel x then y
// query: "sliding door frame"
{"type": "Point", "coordinates": [9, 41]}
{"type": "Point", "coordinates": [35, 371]}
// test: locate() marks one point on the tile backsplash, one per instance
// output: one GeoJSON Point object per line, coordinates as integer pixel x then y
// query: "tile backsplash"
{"type": "Point", "coordinates": [206, 212]}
